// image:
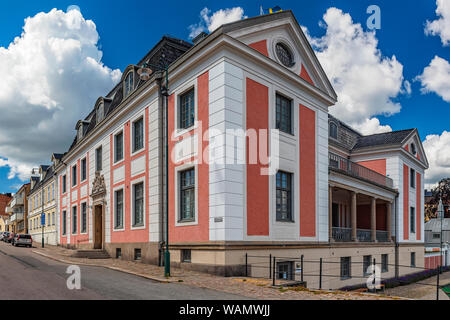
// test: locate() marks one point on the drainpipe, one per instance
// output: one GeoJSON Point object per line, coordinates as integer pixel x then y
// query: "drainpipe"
{"type": "Point", "coordinates": [396, 238]}
{"type": "Point", "coordinates": [161, 243]}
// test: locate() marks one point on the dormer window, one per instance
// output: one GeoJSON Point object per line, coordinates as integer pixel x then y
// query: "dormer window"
{"type": "Point", "coordinates": [333, 130]}
{"type": "Point", "coordinates": [100, 112]}
{"type": "Point", "coordinates": [129, 83]}
{"type": "Point", "coordinates": [80, 132]}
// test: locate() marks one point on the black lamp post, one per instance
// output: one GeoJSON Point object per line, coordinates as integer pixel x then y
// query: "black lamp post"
{"type": "Point", "coordinates": [441, 216]}
{"type": "Point", "coordinates": [144, 73]}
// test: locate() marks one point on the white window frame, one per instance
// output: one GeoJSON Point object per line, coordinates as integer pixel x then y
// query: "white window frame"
{"type": "Point", "coordinates": [81, 217]}
{"type": "Point", "coordinates": [64, 184]}
{"type": "Point", "coordinates": [133, 183]}
{"type": "Point", "coordinates": [138, 117]}
{"type": "Point", "coordinates": [63, 223]}
{"type": "Point", "coordinates": [71, 221]}
{"type": "Point", "coordinates": [183, 167]}
{"type": "Point", "coordinates": [120, 131]}
{"type": "Point", "coordinates": [96, 159]}
{"type": "Point", "coordinates": [71, 175]}
{"type": "Point", "coordinates": [192, 84]}
{"type": "Point", "coordinates": [121, 187]}
{"type": "Point", "coordinates": [273, 112]}
{"type": "Point", "coordinates": [126, 94]}
{"type": "Point", "coordinates": [100, 116]}
{"type": "Point", "coordinates": [81, 170]}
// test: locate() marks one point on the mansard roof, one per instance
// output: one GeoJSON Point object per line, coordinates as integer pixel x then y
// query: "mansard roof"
{"type": "Point", "coordinates": [166, 51]}
{"type": "Point", "coordinates": [48, 172]}
{"type": "Point", "coordinates": [394, 138]}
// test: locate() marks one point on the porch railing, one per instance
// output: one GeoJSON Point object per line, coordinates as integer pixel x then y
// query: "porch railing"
{"type": "Point", "coordinates": [382, 236]}
{"type": "Point", "coordinates": [342, 234]}
{"type": "Point", "coordinates": [358, 171]}
{"type": "Point", "coordinates": [364, 235]}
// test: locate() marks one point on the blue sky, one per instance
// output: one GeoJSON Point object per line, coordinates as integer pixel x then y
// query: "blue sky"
{"type": "Point", "coordinates": [128, 29]}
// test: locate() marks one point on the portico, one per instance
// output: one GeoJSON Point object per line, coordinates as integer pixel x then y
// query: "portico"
{"type": "Point", "coordinates": [360, 210]}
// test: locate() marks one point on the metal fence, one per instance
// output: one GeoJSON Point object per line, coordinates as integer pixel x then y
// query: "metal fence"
{"type": "Point", "coordinates": [312, 274]}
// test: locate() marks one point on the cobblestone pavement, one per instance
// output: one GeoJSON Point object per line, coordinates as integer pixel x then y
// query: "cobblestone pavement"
{"type": "Point", "coordinates": [251, 288]}
{"type": "Point", "coordinates": [423, 290]}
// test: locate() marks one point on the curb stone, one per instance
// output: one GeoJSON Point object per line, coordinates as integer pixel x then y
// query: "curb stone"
{"type": "Point", "coordinates": [160, 280]}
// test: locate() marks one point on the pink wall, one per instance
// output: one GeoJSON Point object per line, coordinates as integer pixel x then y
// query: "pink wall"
{"type": "Point", "coordinates": [200, 231]}
{"type": "Point", "coordinates": [307, 128]}
{"type": "Point", "coordinates": [375, 165]}
{"type": "Point", "coordinates": [257, 184]}
{"type": "Point", "coordinates": [405, 202]}
{"type": "Point", "coordinates": [260, 46]}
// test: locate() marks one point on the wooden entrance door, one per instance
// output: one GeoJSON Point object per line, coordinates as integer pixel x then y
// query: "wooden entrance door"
{"type": "Point", "coordinates": [98, 229]}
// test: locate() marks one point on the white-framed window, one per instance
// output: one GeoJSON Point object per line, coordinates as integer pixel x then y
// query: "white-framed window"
{"type": "Point", "coordinates": [138, 135]}
{"type": "Point", "coordinates": [412, 222]}
{"type": "Point", "coordinates": [413, 178]}
{"type": "Point", "coordinates": [118, 147]}
{"type": "Point", "coordinates": [283, 113]}
{"type": "Point", "coordinates": [284, 199]}
{"type": "Point", "coordinates": [64, 184]}
{"type": "Point", "coordinates": [64, 222]}
{"type": "Point", "coordinates": [74, 219]}
{"type": "Point", "coordinates": [100, 112]}
{"type": "Point", "coordinates": [118, 209]}
{"type": "Point", "coordinates": [98, 159]}
{"type": "Point", "coordinates": [333, 130]}
{"type": "Point", "coordinates": [83, 169]}
{"type": "Point", "coordinates": [83, 218]}
{"type": "Point", "coordinates": [128, 84]}
{"type": "Point", "coordinates": [138, 196]}
{"type": "Point", "coordinates": [186, 109]}
{"type": "Point", "coordinates": [187, 193]}
{"type": "Point", "coordinates": [74, 176]}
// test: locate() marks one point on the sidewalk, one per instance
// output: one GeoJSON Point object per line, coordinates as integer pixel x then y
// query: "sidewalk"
{"type": "Point", "coordinates": [423, 290]}
{"type": "Point", "coordinates": [252, 288]}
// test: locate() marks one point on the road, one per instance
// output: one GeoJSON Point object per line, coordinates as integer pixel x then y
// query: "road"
{"type": "Point", "coordinates": [25, 275]}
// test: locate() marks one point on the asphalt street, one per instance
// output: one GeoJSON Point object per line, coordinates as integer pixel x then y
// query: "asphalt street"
{"type": "Point", "coordinates": [28, 276]}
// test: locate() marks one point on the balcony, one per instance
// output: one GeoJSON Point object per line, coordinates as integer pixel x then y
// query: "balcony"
{"type": "Point", "coordinates": [17, 201]}
{"type": "Point", "coordinates": [362, 235]}
{"type": "Point", "coordinates": [17, 217]}
{"type": "Point", "coordinates": [353, 169]}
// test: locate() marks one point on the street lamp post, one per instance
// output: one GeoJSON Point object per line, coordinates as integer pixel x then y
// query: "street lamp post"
{"type": "Point", "coordinates": [441, 216]}
{"type": "Point", "coordinates": [144, 73]}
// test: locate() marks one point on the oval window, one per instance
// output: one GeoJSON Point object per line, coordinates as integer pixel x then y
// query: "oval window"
{"type": "Point", "coordinates": [284, 55]}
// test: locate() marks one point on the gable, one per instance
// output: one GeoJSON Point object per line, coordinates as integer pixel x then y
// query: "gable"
{"type": "Point", "coordinates": [266, 34]}
{"type": "Point", "coordinates": [413, 146]}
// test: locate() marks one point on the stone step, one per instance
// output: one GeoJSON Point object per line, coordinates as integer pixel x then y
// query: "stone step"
{"type": "Point", "coordinates": [91, 254]}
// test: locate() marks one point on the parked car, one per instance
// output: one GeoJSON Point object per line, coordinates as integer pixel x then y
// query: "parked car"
{"type": "Point", "coordinates": [4, 236]}
{"type": "Point", "coordinates": [10, 237]}
{"type": "Point", "coordinates": [22, 240]}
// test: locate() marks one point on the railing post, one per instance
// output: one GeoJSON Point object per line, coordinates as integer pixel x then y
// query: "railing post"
{"type": "Point", "coordinates": [270, 266]}
{"type": "Point", "coordinates": [320, 275]}
{"type": "Point", "coordinates": [246, 265]}
{"type": "Point", "coordinates": [302, 267]}
{"type": "Point", "coordinates": [374, 275]}
{"type": "Point", "coordinates": [274, 268]}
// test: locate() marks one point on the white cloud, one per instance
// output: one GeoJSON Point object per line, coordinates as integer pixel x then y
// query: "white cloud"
{"type": "Point", "coordinates": [440, 27]}
{"type": "Point", "coordinates": [436, 78]}
{"type": "Point", "coordinates": [210, 22]}
{"type": "Point", "coordinates": [51, 77]}
{"type": "Point", "coordinates": [438, 155]}
{"type": "Point", "coordinates": [365, 81]}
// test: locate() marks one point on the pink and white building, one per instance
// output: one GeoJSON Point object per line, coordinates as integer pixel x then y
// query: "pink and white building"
{"type": "Point", "coordinates": [336, 194]}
